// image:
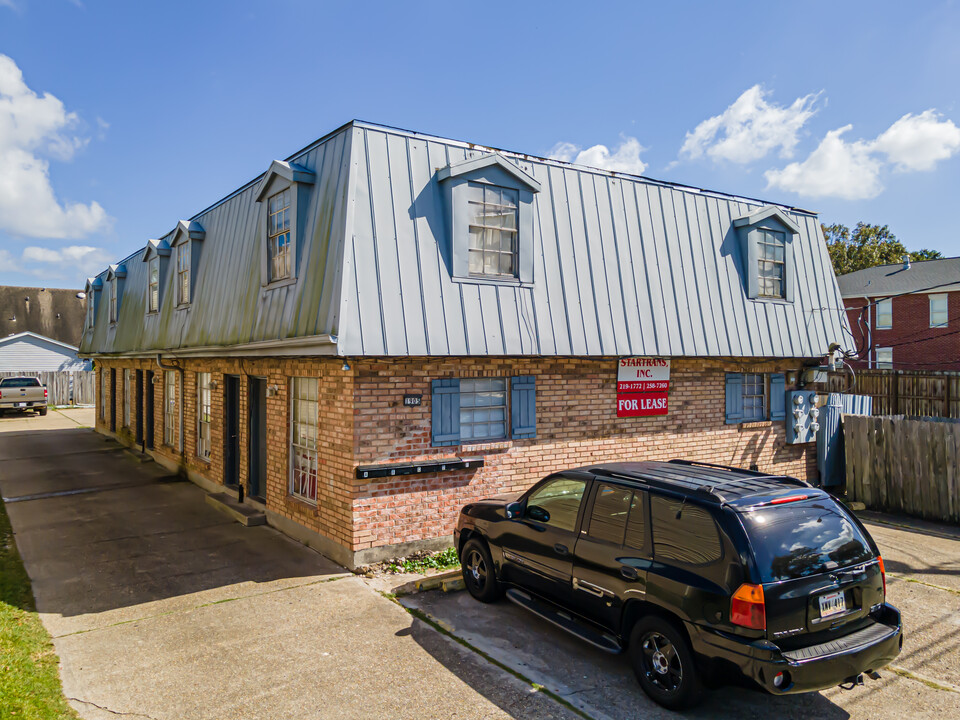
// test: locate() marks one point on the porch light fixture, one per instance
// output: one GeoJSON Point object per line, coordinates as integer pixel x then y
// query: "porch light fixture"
{"type": "Point", "coordinates": [346, 366]}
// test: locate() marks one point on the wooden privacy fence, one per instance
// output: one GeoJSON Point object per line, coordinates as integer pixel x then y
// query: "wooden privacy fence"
{"type": "Point", "coordinates": [905, 392]}
{"type": "Point", "coordinates": [64, 388]}
{"type": "Point", "coordinates": [901, 464]}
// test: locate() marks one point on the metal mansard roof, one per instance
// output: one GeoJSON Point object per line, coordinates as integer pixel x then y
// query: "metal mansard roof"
{"type": "Point", "coordinates": [623, 265]}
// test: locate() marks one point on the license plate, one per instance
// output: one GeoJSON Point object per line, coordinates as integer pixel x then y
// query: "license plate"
{"type": "Point", "coordinates": [21, 404]}
{"type": "Point", "coordinates": [832, 604]}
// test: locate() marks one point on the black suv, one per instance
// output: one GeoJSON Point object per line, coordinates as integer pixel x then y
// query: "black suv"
{"type": "Point", "coordinates": [695, 570]}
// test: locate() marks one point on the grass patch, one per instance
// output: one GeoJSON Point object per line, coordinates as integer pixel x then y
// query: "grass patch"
{"type": "Point", "coordinates": [442, 560]}
{"type": "Point", "coordinates": [29, 677]}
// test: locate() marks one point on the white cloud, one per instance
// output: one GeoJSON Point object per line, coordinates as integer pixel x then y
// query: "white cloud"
{"type": "Point", "coordinates": [624, 158]}
{"type": "Point", "coordinates": [31, 127]}
{"type": "Point", "coordinates": [918, 142]}
{"type": "Point", "coordinates": [73, 262]}
{"type": "Point", "coordinates": [835, 169]}
{"type": "Point", "coordinates": [750, 129]}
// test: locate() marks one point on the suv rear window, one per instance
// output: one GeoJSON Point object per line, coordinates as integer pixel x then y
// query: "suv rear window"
{"type": "Point", "coordinates": [804, 538]}
{"type": "Point", "coordinates": [19, 382]}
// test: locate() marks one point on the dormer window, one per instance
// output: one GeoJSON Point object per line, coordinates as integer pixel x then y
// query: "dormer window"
{"type": "Point", "coordinates": [766, 249]}
{"type": "Point", "coordinates": [284, 193]}
{"type": "Point", "coordinates": [183, 273]}
{"type": "Point", "coordinates": [771, 259]}
{"type": "Point", "coordinates": [493, 230]}
{"type": "Point", "coordinates": [489, 207]}
{"type": "Point", "coordinates": [113, 300]}
{"type": "Point", "coordinates": [153, 285]}
{"type": "Point", "coordinates": [278, 235]}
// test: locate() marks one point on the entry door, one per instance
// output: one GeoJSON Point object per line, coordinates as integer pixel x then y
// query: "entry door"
{"type": "Point", "coordinates": [148, 412]}
{"type": "Point", "coordinates": [231, 434]}
{"type": "Point", "coordinates": [542, 541]}
{"type": "Point", "coordinates": [257, 408]}
{"type": "Point", "coordinates": [139, 406]}
{"type": "Point", "coordinates": [113, 399]}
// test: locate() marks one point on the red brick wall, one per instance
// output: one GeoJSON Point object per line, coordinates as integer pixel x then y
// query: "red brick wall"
{"type": "Point", "coordinates": [576, 425]}
{"type": "Point", "coordinates": [363, 421]}
{"type": "Point", "coordinates": [916, 345]}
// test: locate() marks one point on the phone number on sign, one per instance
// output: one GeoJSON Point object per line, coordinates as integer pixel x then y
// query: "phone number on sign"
{"type": "Point", "coordinates": [642, 385]}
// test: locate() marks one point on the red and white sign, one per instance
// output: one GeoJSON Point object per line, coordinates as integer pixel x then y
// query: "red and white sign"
{"type": "Point", "coordinates": [643, 385]}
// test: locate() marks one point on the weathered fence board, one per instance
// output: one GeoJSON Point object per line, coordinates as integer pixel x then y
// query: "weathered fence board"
{"type": "Point", "coordinates": [64, 388]}
{"type": "Point", "coordinates": [914, 393]}
{"type": "Point", "coordinates": [904, 464]}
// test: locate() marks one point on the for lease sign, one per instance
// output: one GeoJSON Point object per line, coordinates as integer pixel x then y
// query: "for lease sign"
{"type": "Point", "coordinates": [642, 386]}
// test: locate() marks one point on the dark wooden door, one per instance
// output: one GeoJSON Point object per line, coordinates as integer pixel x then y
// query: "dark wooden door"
{"type": "Point", "coordinates": [257, 408]}
{"type": "Point", "coordinates": [139, 406]}
{"type": "Point", "coordinates": [231, 430]}
{"type": "Point", "coordinates": [113, 399]}
{"type": "Point", "coordinates": [148, 411]}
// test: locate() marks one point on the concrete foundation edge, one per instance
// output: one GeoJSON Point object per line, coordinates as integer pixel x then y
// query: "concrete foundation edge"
{"type": "Point", "coordinates": [325, 546]}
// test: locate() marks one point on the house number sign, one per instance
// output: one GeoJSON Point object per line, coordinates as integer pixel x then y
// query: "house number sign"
{"type": "Point", "coordinates": [412, 400]}
{"type": "Point", "coordinates": [643, 385]}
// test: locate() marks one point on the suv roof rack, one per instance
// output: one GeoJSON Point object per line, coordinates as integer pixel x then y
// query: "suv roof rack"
{"type": "Point", "coordinates": [720, 483]}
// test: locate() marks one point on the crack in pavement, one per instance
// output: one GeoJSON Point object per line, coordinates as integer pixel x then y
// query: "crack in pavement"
{"type": "Point", "coordinates": [904, 578]}
{"type": "Point", "coordinates": [112, 712]}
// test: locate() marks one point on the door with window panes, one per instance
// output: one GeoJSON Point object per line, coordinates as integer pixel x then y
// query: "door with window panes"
{"type": "Point", "coordinates": [612, 556]}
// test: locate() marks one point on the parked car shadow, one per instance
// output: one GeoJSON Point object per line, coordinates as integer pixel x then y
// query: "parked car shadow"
{"type": "Point", "coordinates": [596, 682]}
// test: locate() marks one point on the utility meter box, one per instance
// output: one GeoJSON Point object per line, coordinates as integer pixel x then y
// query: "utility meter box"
{"type": "Point", "coordinates": [803, 416]}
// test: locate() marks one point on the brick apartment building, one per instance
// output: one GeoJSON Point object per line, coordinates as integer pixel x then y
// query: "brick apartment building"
{"type": "Point", "coordinates": [389, 325]}
{"type": "Point", "coordinates": [905, 316]}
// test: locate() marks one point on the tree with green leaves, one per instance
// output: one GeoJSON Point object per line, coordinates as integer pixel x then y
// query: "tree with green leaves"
{"type": "Point", "coordinates": [867, 246]}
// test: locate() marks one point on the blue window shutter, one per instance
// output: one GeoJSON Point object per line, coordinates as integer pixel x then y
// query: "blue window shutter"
{"type": "Point", "coordinates": [445, 402]}
{"type": "Point", "coordinates": [778, 396]}
{"type": "Point", "coordinates": [734, 398]}
{"type": "Point", "coordinates": [523, 406]}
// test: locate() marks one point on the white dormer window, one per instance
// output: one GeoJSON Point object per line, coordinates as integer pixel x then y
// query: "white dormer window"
{"type": "Point", "coordinates": [772, 252]}
{"type": "Point", "coordinates": [278, 236]}
{"type": "Point", "coordinates": [153, 290]}
{"type": "Point", "coordinates": [489, 210]}
{"type": "Point", "coordinates": [113, 300]}
{"type": "Point", "coordinates": [493, 230]}
{"type": "Point", "coordinates": [90, 314]}
{"type": "Point", "coordinates": [183, 273]}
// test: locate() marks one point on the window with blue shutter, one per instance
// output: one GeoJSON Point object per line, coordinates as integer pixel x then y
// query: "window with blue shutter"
{"type": "Point", "coordinates": [778, 396]}
{"type": "Point", "coordinates": [734, 398]}
{"type": "Point", "coordinates": [445, 402]}
{"type": "Point", "coordinates": [523, 406]}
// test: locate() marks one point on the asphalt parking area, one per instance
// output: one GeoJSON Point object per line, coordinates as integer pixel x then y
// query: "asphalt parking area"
{"type": "Point", "coordinates": [923, 564]}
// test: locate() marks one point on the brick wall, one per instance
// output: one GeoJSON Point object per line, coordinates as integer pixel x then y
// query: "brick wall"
{"type": "Point", "coordinates": [363, 421]}
{"type": "Point", "coordinates": [576, 425]}
{"type": "Point", "coordinates": [917, 345]}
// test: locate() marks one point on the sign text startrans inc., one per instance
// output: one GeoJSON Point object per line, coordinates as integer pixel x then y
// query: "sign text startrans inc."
{"type": "Point", "coordinates": [643, 385]}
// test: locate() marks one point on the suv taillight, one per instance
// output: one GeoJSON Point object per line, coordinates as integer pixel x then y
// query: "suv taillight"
{"type": "Point", "coordinates": [44, 393]}
{"type": "Point", "coordinates": [747, 608]}
{"type": "Point", "coordinates": [883, 575]}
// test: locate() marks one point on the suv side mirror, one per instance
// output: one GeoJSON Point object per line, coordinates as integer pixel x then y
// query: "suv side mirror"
{"type": "Point", "coordinates": [535, 512]}
{"type": "Point", "coordinates": [514, 510]}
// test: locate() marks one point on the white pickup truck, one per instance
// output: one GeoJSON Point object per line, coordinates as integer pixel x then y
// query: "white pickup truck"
{"type": "Point", "coordinates": [23, 393]}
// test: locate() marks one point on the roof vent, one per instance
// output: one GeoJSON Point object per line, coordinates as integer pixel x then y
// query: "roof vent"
{"type": "Point", "coordinates": [906, 262]}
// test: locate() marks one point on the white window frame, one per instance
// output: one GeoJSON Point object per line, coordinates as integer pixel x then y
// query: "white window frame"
{"type": "Point", "coordinates": [113, 300]}
{"type": "Point", "coordinates": [304, 438]}
{"type": "Point", "coordinates": [479, 403]}
{"type": "Point", "coordinates": [153, 285]}
{"type": "Point", "coordinates": [171, 410]}
{"type": "Point", "coordinates": [276, 258]}
{"type": "Point", "coordinates": [183, 267]}
{"type": "Point", "coordinates": [486, 238]}
{"type": "Point", "coordinates": [90, 310]}
{"type": "Point", "coordinates": [883, 364]}
{"type": "Point", "coordinates": [885, 314]}
{"type": "Point", "coordinates": [944, 313]}
{"type": "Point", "coordinates": [750, 382]}
{"type": "Point", "coordinates": [204, 415]}
{"type": "Point", "coordinates": [776, 240]}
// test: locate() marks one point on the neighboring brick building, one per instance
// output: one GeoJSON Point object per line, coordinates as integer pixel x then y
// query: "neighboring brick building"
{"type": "Point", "coordinates": [388, 325]}
{"type": "Point", "coordinates": [905, 316]}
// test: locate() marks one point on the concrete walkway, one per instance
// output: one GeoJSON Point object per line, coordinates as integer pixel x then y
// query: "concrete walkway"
{"type": "Point", "coordinates": [162, 608]}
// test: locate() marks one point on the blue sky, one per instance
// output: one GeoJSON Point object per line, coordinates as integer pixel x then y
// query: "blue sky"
{"type": "Point", "coordinates": [119, 118]}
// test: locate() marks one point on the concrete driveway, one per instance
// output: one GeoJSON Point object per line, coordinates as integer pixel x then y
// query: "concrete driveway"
{"type": "Point", "coordinates": [923, 566]}
{"type": "Point", "coordinates": [161, 607]}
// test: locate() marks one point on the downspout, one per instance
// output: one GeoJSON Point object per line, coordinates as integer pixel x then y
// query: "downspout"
{"type": "Point", "coordinates": [180, 444]}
